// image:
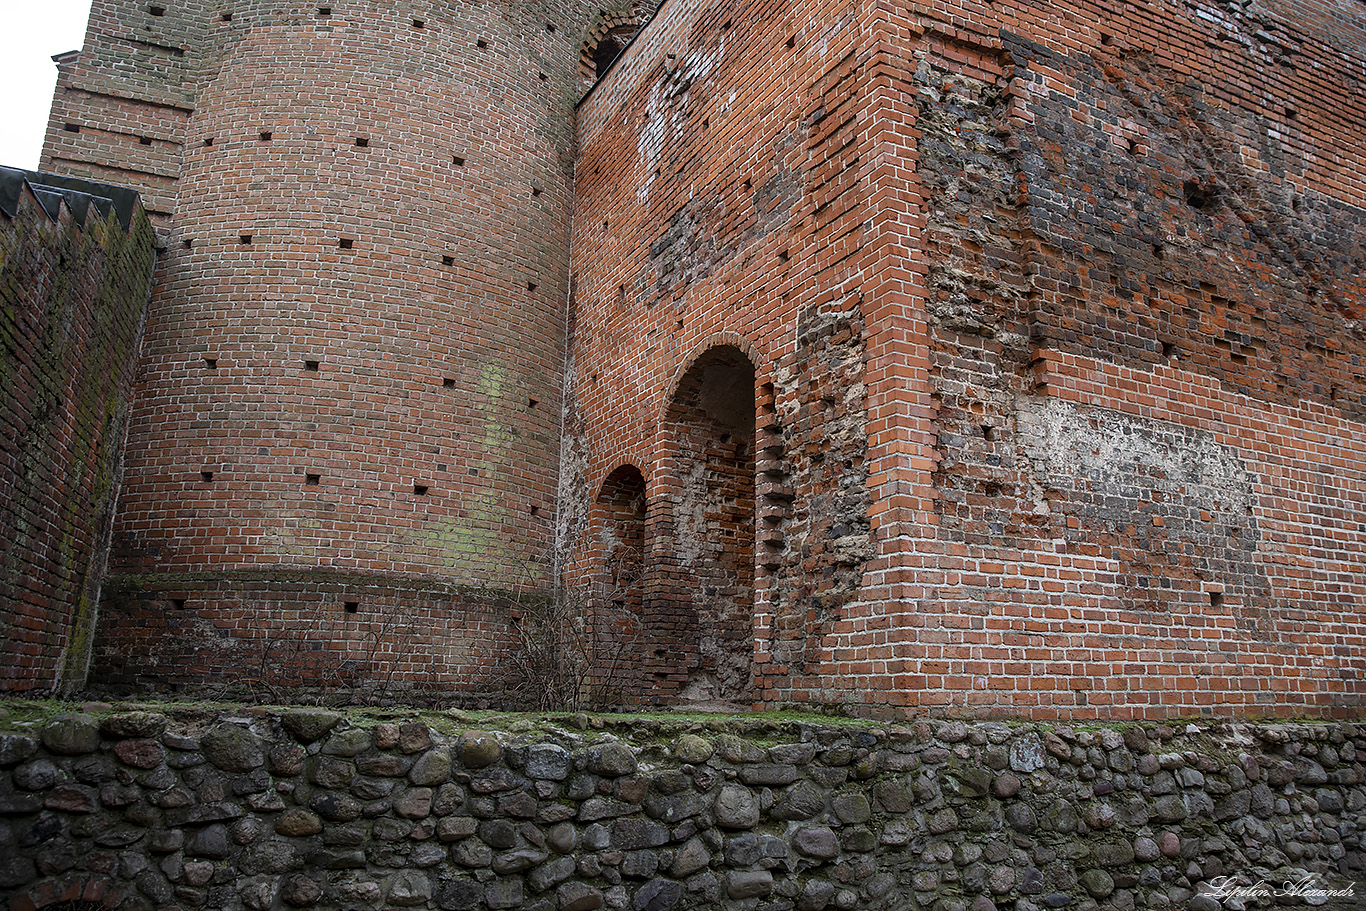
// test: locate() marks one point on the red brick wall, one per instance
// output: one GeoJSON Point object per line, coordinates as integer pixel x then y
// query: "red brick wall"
{"type": "Point", "coordinates": [74, 296]}
{"type": "Point", "coordinates": [611, 570]}
{"type": "Point", "coordinates": [1053, 313]}
{"type": "Point", "coordinates": [353, 638]}
{"type": "Point", "coordinates": [1057, 311]}
{"type": "Point", "coordinates": [354, 353]}
{"type": "Point", "coordinates": [123, 101]}
{"type": "Point", "coordinates": [706, 221]}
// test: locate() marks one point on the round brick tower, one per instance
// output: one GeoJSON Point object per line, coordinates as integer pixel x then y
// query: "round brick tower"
{"type": "Point", "coordinates": [342, 463]}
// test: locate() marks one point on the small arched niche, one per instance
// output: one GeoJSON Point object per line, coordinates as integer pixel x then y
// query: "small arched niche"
{"type": "Point", "coordinates": [609, 36]}
{"type": "Point", "coordinates": [616, 562]}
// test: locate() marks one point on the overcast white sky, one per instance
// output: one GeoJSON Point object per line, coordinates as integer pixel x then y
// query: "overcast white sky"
{"type": "Point", "coordinates": [34, 30]}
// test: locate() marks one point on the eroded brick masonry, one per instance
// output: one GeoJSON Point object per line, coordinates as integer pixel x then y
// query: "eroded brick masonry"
{"type": "Point", "coordinates": [886, 355]}
{"type": "Point", "coordinates": [75, 270]}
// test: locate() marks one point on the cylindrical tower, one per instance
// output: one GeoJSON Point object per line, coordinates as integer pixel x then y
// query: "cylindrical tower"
{"type": "Point", "coordinates": [342, 462]}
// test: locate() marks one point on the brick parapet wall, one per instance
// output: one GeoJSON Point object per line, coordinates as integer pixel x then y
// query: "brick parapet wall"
{"type": "Point", "coordinates": [123, 101]}
{"type": "Point", "coordinates": [74, 292]}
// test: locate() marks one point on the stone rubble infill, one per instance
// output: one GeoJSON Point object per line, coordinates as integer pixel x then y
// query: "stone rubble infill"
{"type": "Point", "coordinates": [299, 809]}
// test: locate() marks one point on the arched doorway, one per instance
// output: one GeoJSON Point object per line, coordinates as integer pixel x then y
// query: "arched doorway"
{"type": "Point", "coordinates": [616, 554]}
{"type": "Point", "coordinates": [702, 605]}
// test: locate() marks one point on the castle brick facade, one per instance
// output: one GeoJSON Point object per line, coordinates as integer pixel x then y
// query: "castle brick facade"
{"type": "Point", "coordinates": [892, 356]}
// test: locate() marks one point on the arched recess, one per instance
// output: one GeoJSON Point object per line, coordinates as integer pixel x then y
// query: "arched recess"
{"type": "Point", "coordinates": [608, 37]}
{"type": "Point", "coordinates": [700, 586]}
{"type": "Point", "coordinates": [616, 561]}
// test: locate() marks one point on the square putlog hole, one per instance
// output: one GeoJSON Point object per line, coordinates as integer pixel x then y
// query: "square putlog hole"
{"type": "Point", "coordinates": [312, 480]}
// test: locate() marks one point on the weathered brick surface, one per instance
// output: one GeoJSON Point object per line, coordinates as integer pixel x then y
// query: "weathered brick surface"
{"type": "Point", "coordinates": [1090, 283]}
{"type": "Point", "coordinates": [353, 358]}
{"type": "Point", "coordinates": [74, 294]}
{"type": "Point", "coordinates": [348, 636]}
{"type": "Point", "coordinates": [1047, 317]}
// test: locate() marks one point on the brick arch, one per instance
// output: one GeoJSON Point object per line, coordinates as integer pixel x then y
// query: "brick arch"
{"type": "Point", "coordinates": [723, 339]}
{"type": "Point", "coordinates": [620, 466]}
{"type": "Point", "coordinates": [611, 26]}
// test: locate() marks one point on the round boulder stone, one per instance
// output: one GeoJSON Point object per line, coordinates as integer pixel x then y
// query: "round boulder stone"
{"type": "Point", "coordinates": [133, 724]}
{"type": "Point", "coordinates": [692, 749]}
{"type": "Point", "coordinates": [348, 742]}
{"type": "Point", "coordinates": [548, 762]}
{"type": "Point", "coordinates": [414, 737]}
{"type": "Point", "coordinates": [38, 775]}
{"type": "Point", "coordinates": [233, 748]}
{"type": "Point", "coordinates": [409, 889]}
{"type": "Point", "coordinates": [613, 760]}
{"type": "Point", "coordinates": [575, 896]}
{"type": "Point", "coordinates": [71, 735]}
{"type": "Point", "coordinates": [658, 895]}
{"type": "Point", "coordinates": [300, 891]}
{"type": "Point", "coordinates": [816, 841]}
{"type": "Point", "coordinates": [1098, 883]}
{"type": "Point", "coordinates": [15, 748]}
{"type": "Point", "coordinates": [140, 754]}
{"type": "Point", "coordinates": [298, 822]}
{"type": "Point", "coordinates": [478, 749]}
{"type": "Point", "coordinates": [307, 726]}
{"type": "Point", "coordinates": [749, 884]}
{"type": "Point", "coordinates": [736, 808]}
{"type": "Point", "coordinates": [432, 768]}
{"type": "Point", "coordinates": [852, 808]}
{"type": "Point", "coordinates": [562, 839]}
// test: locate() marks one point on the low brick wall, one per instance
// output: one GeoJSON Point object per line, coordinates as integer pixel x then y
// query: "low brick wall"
{"type": "Point", "coordinates": [263, 809]}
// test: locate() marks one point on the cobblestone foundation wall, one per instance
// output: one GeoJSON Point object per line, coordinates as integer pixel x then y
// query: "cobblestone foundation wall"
{"type": "Point", "coordinates": [266, 809]}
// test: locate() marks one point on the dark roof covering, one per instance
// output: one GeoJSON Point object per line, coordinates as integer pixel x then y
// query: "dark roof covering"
{"type": "Point", "coordinates": [79, 195]}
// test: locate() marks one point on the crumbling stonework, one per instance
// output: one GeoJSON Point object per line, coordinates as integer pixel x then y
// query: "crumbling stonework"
{"type": "Point", "coordinates": [304, 808]}
{"type": "Point", "coordinates": [1082, 270]}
